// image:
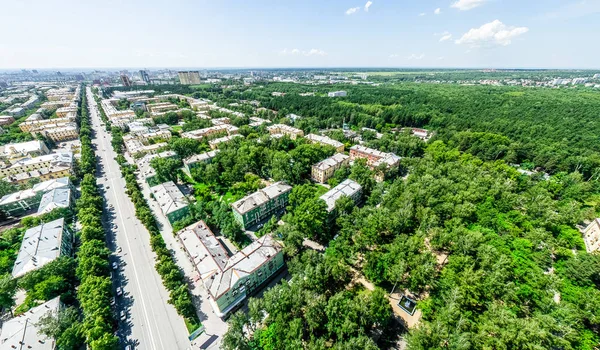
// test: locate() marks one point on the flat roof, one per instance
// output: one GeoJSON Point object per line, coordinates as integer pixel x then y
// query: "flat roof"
{"type": "Point", "coordinates": [169, 197]}
{"type": "Point", "coordinates": [260, 197]}
{"type": "Point", "coordinates": [345, 188]}
{"type": "Point", "coordinates": [41, 245]}
{"type": "Point", "coordinates": [21, 332]}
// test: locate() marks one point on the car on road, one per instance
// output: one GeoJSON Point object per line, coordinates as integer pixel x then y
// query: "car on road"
{"type": "Point", "coordinates": [115, 265]}
{"type": "Point", "coordinates": [113, 302]}
{"type": "Point", "coordinates": [123, 315]}
{"type": "Point", "coordinates": [119, 291]}
{"type": "Point", "coordinates": [119, 249]}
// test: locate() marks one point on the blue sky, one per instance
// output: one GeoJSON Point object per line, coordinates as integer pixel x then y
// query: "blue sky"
{"type": "Point", "coordinates": [311, 33]}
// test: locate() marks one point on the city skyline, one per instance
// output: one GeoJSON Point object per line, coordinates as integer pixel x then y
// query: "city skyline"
{"type": "Point", "coordinates": [552, 34]}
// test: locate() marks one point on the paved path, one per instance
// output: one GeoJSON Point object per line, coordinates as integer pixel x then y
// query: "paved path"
{"type": "Point", "coordinates": [152, 323]}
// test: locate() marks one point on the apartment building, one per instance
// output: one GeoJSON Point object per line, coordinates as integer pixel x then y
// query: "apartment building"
{"type": "Point", "coordinates": [324, 170]}
{"type": "Point", "coordinates": [154, 135]}
{"type": "Point", "coordinates": [262, 204]}
{"type": "Point", "coordinates": [64, 111]}
{"type": "Point", "coordinates": [13, 152]}
{"type": "Point", "coordinates": [326, 141]}
{"type": "Point", "coordinates": [135, 147]}
{"type": "Point", "coordinates": [338, 94]}
{"type": "Point", "coordinates": [19, 203]}
{"type": "Point", "coordinates": [591, 236]}
{"type": "Point", "coordinates": [23, 331]}
{"type": "Point", "coordinates": [36, 125]}
{"type": "Point", "coordinates": [161, 107]}
{"type": "Point", "coordinates": [213, 130]}
{"type": "Point", "coordinates": [374, 159]}
{"type": "Point", "coordinates": [31, 164]}
{"type": "Point", "coordinates": [147, 172]}
{"type": "Point", "coordinates": [348, 188]}
{"type": "Point", "coordinates": [214, 144]}
{"type": "Point", "coordinates": [61, 133]}
{"type": "Point", "coordinates": [256, 122]}
{"type": "Point", "coordinates": [229, 280]}
{"type": "Point", "coordinates": [189, 77]}
{"type": "Point", "coordinates": [191, 162]}
{"type": "Point", "coordinates": [171, 200]}
{"type": "Point", "coordinates": [6, 120]}
{"type": "Point", "coordinates": [220, 121]}
{"type": "Point", "coordinates": [279, 130]}
{"type": "Point", "coordinates": [41, 245]}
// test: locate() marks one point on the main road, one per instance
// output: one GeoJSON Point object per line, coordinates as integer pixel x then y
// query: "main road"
{"type": "Point", "coordinates": [149, 321]}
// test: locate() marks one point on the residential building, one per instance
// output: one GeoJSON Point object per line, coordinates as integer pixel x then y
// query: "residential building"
{"type": "Point", "coordinates": [324, 170]}
{"type": "Point", "coordinates": [22, 332]}
{"type": "Point", "coordinates": [230, 280]}
{"type": "Point", "coordinates": [56, 198]}
{"type": "Point", "coordinates": [348, 188]}
{"type": "Point", "coordinates": [171, 200]}
{"type": "Point", "coordinates": [19, 203]}
{"type": "Point", "coordinates": [338, 94]}
{"type": "Point", "coordinates": [154, 135]}
{"type": "Point", "coordinates": [30, 164]}
{"type": "Point", "coordinates": [591, 236]}
{"type": "Point", "coordinates": [423, 134]}
{"type": "Point", "coordinates": [326, 141]}
{"type": "Point", "coordinates": [161, 107]}
{"type": "Point", "coordinates": [277, 94]}
{"type": "Point", "coordinates": [261, 204]}
{"type": "Point", "coordinates": [375, 159]}
{"type": "Point", "coordinates": [41, 245]}
{"type": "Point", "coordinates": [145, 76]}
{"type": "Point", "coordinates": [61, 133]}
{"type": "Point", "coordinates": [191, 162]}
{"type": "Point", "coordinates": [189, 77]}
{"type": "Point", "coordinates": [6, 120]}
{"type": "Point", "coordinates": [214, 144]}
{"type": "Point", "coordinates": [279, 130]}
{"type": "Point", "coordinates": [206, 132]}
{"type": "Point", "coordinates": [220, 121]}
{"type": "Point", "coordinates": [64, 111]}
{"type": "Point", "coordinates": [16, 112]}
{"type": "Point", "coordinates": [36, 125]}
{"type": "Point", "coordinates": [147, 172]}
{"type": "Point", "coordinates": [13, 152]}
{"type": "Point", "coordinates": [125, 80]}
{"type": "Point", "coordinates": [256, 121]}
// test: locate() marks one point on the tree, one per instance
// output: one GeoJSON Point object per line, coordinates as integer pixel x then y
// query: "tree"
{"type": "Point", "coordinates": [166, 168]}
{"type": "Point", "coordinates": [8, 290]}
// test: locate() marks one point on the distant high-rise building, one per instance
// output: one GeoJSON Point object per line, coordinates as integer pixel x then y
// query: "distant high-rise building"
{"type": "Point", "coordinates": [145, 76]}
{"type": "Point", "coordinates": [189, 77]}
{"type": "Point", "coordinates": [125, 80]}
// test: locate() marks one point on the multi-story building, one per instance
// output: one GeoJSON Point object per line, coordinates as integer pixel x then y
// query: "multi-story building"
{"type": "Point", "coordinates": [323, 170]}
{"type": "Point", "coordinates": [230, 280]}
{"type": "Point", "coordinates": [591, 236]}
{"type": "Point", "coordinates": [161, 107]}
{"type": "Point", "coordinates": [16, 112]}
{"type": "Point", "coordinates": [64, 111]}
{"type": "Point", "coordinates": [6, 120]}
{"type": "Point", "coordinates": [145, 76]}
{"type": "Point", "coordinates": [374, 158]}
{"type": "Point", "coordinates": [189, 77]}
{"type": "Point", "coordinates": [41, 245]}
{"type": "Point", "coordinates": [326, 141]}
{"type": "Point", "coordinates": [56, 198]}
{"type": "Point", "coordinates": [19, 203]}
{"type": "Point", "coordinates": [256, 122]}
{"type": "Point", "coordinates": [36, 125]}
{"type": "Point", "coordinates": [154, 135]}
{"type": "Point", "coordinates": [213, 130]}
{"type": "Point", "coordinates": [348, 188]}
{"type": "Point", "coordinates": [338, 94]}
{"type": "Point", "coordinates": [147, 172]}
{"type": "Point", "coordinates": [13, 152]}
{"type": "Point", "coordinates": [191, 162]}
{"type": "Point", "coordinates": [23, 331]}
{"type": "Point", "coordinates": [214, 144]}
{"type": "Point", "coordinates": [42, 174]}
{"type": "Point", "coordinates": [171, 200]}
{"type": "Point", "coordinates": [31, 164]}
{"type": "Point", "coordinates": [220, 121]}
{"type": "Point", "coordinates": [279, 130]}
{"type": "Point", "coordinates": [261, 204]}
{"type": "Point", "coordinates": [61, 133]}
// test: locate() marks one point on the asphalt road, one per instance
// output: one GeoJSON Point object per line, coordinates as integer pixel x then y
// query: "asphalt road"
{"type": "Point", "coordinates": [151, 323]}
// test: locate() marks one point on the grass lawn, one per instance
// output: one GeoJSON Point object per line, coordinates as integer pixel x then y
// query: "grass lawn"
{"type": "Point", "coordinates": [176, 128]}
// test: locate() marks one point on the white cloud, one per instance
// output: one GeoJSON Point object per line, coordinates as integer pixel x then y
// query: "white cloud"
{"type": "Point", "coordinates": [352, 10]}
{"type": "Point", "coordinates": [437, 11]}
{"type": "Point", "coordinates": [465, 5]}
{"type": "Point", "coordinates": [446, 36]}
{"type": "Point", "coordinates": [422, 14]}
{"type": "Point", "coordinates": [394, 55]}
{"type": "Point", "coordinates": [367, 5]}
{"type": "Point", "coordinates": [490, 34]}
{"type": "Point", "coordinates": [416, 57]}
{"type": "Point", "coordinates": [297, 52]}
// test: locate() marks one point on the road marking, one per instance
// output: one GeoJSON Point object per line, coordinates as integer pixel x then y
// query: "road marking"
{"type": "Point", "coordinates": [134, 268]}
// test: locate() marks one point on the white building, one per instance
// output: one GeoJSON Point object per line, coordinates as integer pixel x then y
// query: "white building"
{"type": "Point", "coordinates": [326, 141]}
{"type": "Point", "coordinates": [348, 188]}
{"type": "Point", "coordinates": [57, 198]}
{"type": "Point", "coordinates": [591, 236]}
{"type": "Point", "coordinates": [22, 332]}
{"type": "Point", "coordinates": [338, 94]}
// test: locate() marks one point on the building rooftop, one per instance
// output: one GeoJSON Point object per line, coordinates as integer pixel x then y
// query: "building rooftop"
{"type": "Point", "coordinates": [215, 142]}
{"type": "Point", "coordinates": [324, 139]}
{"type": "Point", "coordinates": [169, 197]}
{"type": "Point", "coordinates": [332, 161]}
{"type": "Point", "coordinates": [367, 150]}
{"type": "Point", "coordinates": [200, 157]}
{"type": "Point", "coordinates": [345, 188]}
{"type": "Point", "coordinates": [57, 198]}
{"type": "Point", "coordinates": [41, 187]}
{"type": "Point", "coordinates": [260, 197]}
{"type": "Point", "coordinates": [41, 245]}
{"type": "Point", "coordinates": [21, 332]}
{"type": "Point", "coordinates": [218, 271]}
{"type": "Point", "coordinates": [23, 148]}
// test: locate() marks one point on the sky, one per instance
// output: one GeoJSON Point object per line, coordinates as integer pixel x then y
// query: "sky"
{"type": "Point", "coordinates": [311, 33]}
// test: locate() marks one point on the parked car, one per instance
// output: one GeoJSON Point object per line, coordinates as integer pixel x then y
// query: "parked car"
{"type": "Point", "coordinates": [115, 265]}
{"type": "Point", "coordinates": [119, 291]}
{"type": "Point", "coordinates": [123, 315]}
{"type": "Point", "coordinates": [119, 249]}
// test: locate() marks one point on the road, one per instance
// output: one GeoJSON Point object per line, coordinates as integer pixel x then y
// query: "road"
{"type": "Point", "coordinates": [151, 322]}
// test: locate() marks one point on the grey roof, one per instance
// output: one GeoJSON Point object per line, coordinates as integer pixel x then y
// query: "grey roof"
{"type": "Point", "coordinates": [218, 271]}
{"type": "Point", "coordinates": [200, 157]}
{"type": "Point", "coordinates": [332, 161]}
{"type": "Point", "coordinates": [41, 187]}
{"type": "Point", "coordinates": [260, 197]}
{"type": "Point", "coordinates": [346, 188]}
{"type": "Point", "coordinates": [169, 197]}
{"type": "Point", "coordinates": [21, 332]}
{"type": "Point", "coordinates": [40, 246]}
{"type": "Point", "coordinates": [57, 198]}
{"type": "Point", "coordinates": [324, 140]}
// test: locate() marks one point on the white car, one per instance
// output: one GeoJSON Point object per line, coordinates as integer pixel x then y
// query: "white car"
{"type": "Point", "coordinates": [119, 291]}
{"type": "Point", "coordinates": [115, 265]}
{"type": "Point", "coordinates": [123, 315]}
